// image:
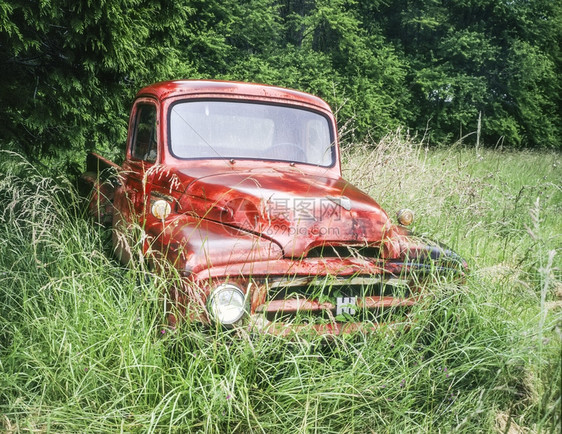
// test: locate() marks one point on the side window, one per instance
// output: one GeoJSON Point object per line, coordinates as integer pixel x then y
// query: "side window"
{"type": "Point", "coordinates": [144, 145]}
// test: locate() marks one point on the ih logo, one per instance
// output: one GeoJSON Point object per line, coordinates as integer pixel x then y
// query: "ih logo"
{"type": "Point", "coordinates": [346, 305]}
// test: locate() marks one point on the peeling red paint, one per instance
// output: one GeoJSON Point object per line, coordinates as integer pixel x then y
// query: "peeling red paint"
{"type": "Point", "coordinates": [255, 223]}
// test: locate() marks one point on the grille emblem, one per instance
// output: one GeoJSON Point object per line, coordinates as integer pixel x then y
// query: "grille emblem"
{"type": "Point", "coordinates": [346, 305]}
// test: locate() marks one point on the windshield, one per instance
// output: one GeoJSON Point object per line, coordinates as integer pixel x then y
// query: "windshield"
{"type": "Point", "coordinates": [242, 130]}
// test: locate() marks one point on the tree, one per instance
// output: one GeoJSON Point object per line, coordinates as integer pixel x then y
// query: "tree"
{"type": "Point", "coordinates": [71, 69]}
{"type": "Point", "coordinates": [482, 57]}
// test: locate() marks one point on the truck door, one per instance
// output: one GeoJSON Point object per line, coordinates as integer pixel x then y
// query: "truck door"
{"type": "Point", "coordinates": [132, 198]}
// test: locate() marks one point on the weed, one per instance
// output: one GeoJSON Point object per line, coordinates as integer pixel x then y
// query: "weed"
{"type": "Point", "coordinates": [82, 346]}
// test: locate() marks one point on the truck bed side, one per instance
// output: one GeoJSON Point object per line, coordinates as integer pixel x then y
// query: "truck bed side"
{"type": "Point", "coordinates": [98, 185]}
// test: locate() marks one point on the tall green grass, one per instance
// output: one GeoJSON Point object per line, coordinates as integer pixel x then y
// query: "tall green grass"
{"type": "Point", "coordinates": [83, 346]}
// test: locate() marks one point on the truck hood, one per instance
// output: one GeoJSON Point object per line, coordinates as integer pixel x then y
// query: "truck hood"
{"type": "Point", "coordinates": [297, 210]}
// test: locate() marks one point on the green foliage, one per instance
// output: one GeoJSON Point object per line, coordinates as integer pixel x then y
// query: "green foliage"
{"type": "Point", "coordinates": [83, 348]}
{"type": "Point", "coordinates": [477, 49]}
{"type": "Point", "coordinates": [70, 69]}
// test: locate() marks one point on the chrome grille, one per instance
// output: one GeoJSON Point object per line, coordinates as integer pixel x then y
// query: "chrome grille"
{"type": "Point", "coordinates": [346, 251]}
{"type": "Point", "coordinates": [374, 298]}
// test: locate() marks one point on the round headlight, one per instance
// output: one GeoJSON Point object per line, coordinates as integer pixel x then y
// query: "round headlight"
{"type": "Point", "coordinates": [161, 209]}
{"type": "Point", "coordinates": [405, 217]}
{"type": "Point", "coordinates": [226, 304]}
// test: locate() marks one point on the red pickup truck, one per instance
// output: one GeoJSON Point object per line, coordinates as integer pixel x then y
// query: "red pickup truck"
{"type": "Point", "coordinates": [238, 187]}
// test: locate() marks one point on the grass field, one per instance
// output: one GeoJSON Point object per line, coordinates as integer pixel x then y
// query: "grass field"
{"type": "Point", "coordinates": [82, 346]}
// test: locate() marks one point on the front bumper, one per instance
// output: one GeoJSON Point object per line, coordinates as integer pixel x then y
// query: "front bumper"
{"type": "Point", "coordinates": [320, 296]}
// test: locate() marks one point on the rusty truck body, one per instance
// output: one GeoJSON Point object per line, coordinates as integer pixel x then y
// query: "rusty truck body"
{"type": "Point", "coordinates": [238, 188]}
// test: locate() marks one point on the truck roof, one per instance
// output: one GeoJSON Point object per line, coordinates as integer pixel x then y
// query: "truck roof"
{"type": "Point", "coordinates": [168, 89]}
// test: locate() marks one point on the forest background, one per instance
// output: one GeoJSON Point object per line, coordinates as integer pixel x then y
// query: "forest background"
{"type": "Point", "coordinates": [438, 68]}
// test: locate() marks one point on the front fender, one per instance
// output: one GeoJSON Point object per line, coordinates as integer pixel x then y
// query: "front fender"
{"type": "Point", "coordinates": [421, 252]}
{"type": "Point", "coordinates": [192, 244]}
